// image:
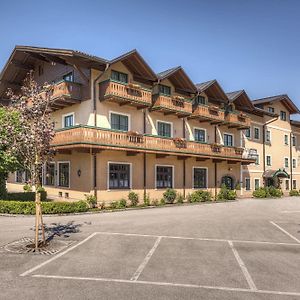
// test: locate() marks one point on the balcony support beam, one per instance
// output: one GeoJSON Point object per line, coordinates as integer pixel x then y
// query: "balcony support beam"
{"type": "Point", "coordinates": [131, 153]}
{"type": "Point", "coordinates": [81, 73]}
{"type": "Point", "coordinates": [201, 159]}
{"type": "Point", "coordinates": [161, 155]}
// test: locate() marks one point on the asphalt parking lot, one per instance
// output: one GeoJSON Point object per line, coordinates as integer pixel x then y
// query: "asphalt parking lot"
{"type": "Point", "coordinates": [249, 249]}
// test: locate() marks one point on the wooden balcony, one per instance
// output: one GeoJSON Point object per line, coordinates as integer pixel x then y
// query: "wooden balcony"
{"type": "Point", "coordinates": [84, 137]}
{"type": "Point", "coordinates": [208, 113]}
{"type": "Point", "coordinates": [237, 120]}
{"type": "Point", "coordinates": [131, 94]}
{"type": "Point", "coordinates": [180, 106]}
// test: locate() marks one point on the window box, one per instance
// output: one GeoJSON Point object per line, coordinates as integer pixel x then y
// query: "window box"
{"type": "Point", "coordinates": [180, 142]}
{"type": "Point", "coordinates": [216, 147]}
{"type": "Point", "coordinates": [239, 150]}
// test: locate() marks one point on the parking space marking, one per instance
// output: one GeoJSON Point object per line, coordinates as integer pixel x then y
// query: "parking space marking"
{"type": "Point", "coordinates": [290, 211]}
{"type": "Point", "coordinates": [169, 284]}
{"type": "Point", "coordinates": [197, 238]}
{"type": "Point", "coordinates": [284, 231]}
{"type": "Point", "coordinates": [58, 255]}
{"type": "Point", "coordinates": [243, 267]}
{"type": "Point", "coordinates": [146, 260]}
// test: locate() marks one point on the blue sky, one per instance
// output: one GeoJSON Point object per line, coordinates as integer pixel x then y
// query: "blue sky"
{"type": "Point", "coordinates": [252, 45]}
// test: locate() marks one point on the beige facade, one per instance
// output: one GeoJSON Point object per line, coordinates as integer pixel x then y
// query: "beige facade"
{"type": "Point", "coordinates": [136, 130]}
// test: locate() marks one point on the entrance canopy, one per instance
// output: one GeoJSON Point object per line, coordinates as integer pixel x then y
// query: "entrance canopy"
{"type": "Point", "coordinates": [276, 173]}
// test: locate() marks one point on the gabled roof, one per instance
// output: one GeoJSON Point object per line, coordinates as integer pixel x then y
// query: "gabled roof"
{"type": "Point", "coordinates": [284, 98]}
{"type": "Point", "coordinates": [179, 79]}
{"type": "Point", "coordinates": [136, 64]}
{"type": "Point", "coordinates": [241, 100]}
{"type": "Point", "coordinates": [213, 90]}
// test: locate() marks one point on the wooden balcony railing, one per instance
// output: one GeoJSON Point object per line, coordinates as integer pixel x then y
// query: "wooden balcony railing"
{"type": "Point", "coordinates": [208, 112]}
{"type": "Point", "coordinates": [89, 137]}
{"type": "Point", "coordinates": [67, 89]}
{"type": "Point", "coordinates": [168, 104]}
{"type": "Point", "coordinates": [241, 121]}
{"type": "Point", "coordinates": [132, 94]}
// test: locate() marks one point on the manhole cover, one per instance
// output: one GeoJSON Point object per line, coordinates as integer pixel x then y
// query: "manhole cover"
{"type": "Point", "coordinates": [26, 245]}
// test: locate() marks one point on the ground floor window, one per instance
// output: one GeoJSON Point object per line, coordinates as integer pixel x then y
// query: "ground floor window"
{"type": "Point", "coordinates": [294, 184]}
{"type": "Point", "coordinates": [64, 174]}
{"type": "Point", "coordinates": [50, 174]}
{"type": "Point", "coordinates": [247, 184]}
{"type": "Point", "coordinates": [287, 184]}
{"type": "Point", "coordinates": [119, 176]}
{"type": "Point", "coordinates": [200, 178]}
{"type": "Point", "coordinates": [256, 183]}
{"type": "Point", "coordinates": [19, 176]}
{"type": "Point", "coordinates": [164, 177]}
{"type": "Point", "coordinates": [228, 181]}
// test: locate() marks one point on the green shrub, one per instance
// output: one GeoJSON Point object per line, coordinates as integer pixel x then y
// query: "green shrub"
{"type": "Point", "coordinates": [199, 196]}
{"type": "Point", "coordinates": [27, 208]}
{"type": "Point", "coordinates": [155, 202]}
{"type": "Point", "coordinates": [162, 201]}
{"type": "Point", "coordinates": [91, 200]}
{"type": "Point", "coordinates": [179, 198]}
{"type": "Point", "coordinates": [114, 204]}
{"type": "Point", "coordinates": [226, 194]}
{"type": "Point", "coordinates": [146, 200]}
{"type": "Point", "coordinates": [273, 192]}
{"type": "Point", "coordinates": [28, 196]}
{"type": "Point", "coordinates": [27, 188]}
{"type": "Point", "coordinates": [122, 203]}
{"type": "Point", "coordinates": [294, 193]}
{"type": "Point", "coordinates": [266, 192]}
{"type": "Point", "coordinates": [169, 196]}
{"type": "Point", "coordinates": [133, 198]}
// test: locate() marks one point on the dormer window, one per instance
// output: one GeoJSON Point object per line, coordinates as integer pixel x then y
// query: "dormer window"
{"type": "Point", "coordinates": [164, 89]}
{"type": "Point", "coordinates": [200, 100]}
{"type": "Point", "coordinates": [119, 76]}
{"type": "Point", "coordinates": [271, 109]}
{"type": "Point", "coordinates": [69, 77]}
{"type": "Point", "coordinates": [282, 115]}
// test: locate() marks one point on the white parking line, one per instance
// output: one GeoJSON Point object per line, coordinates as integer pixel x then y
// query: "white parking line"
{"type": "Point", "coordinates": [169, 284]}
{"type": "Point", "coordinates": [243, 267]}
{"type": "Point", "coordinates": [57, 256]}
{"type": "Point", "coordinates": [284, 231]}
{"type": "Point", "coordinates": [290, 211]}
{"type": "Point", "coordinates": [145, 261]}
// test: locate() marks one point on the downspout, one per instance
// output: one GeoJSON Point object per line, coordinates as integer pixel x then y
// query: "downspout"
{"type": "Point", "coordinates": [264, 141]}
{"type": "Point", "coordinates": [183, 161]}
{"type": "Point", "coordinates": [216, 167]}
{"type": "Point", "coordinates": [291, 161]}
{"type": "Point", "coordinates": [145, 160]}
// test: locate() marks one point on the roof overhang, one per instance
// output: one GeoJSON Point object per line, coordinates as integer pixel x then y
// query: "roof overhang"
{"type": "Point", "coordinates": [213, 90]}
{"type": "Point", "coordinates": [241, 100]}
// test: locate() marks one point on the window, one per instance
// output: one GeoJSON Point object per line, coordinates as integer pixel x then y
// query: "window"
{"type": "Point", "coordinates": [69, 77]}
{"type": "Point", "coordinates": [19, 176]}
{"type": "Point", "coordinates": [247, 184]}
{"type": "Point", "coordinates": [293, 140]}
{"type": "Point", "coordinates": [164, 177]}
{"type": "Point", "coordinates": [118, 76]}
{"type": "Point", "coordinates": [282, 115]}
{"type": "Point", "coordinates": [50, 174]}
{"type": "Point", "coordinates": [68, 120]}
{"type": "Point", "coordinates": [248, 133]}
{"type": "Point", "coordinates": [294, 163]}
{"type": "Point", "coordinates": [119, 176]}
{"type": "Point", "coordinates": [256, 133]}
{"type": "Point", "coordinates": [228, 140]}
{"type": "Point", "coordinates": [286, 162]}
{"type": "Point", "coordinates": [119, 122]}
{"type": "Point", "coordinates": [257, 159]}
{"type": "Point", "coordinates": [268, 136]}
{"type": "Point", "coordinates": [200, 100]}
{"type": "Point", "coordinates": [271, 109]}
{"type": "Point", "coordinates": [294, 184]}
{"type": "Point", "coordinates": [287, 184]}
{"type": "Point", "coordinates": [286, 139]}
{"type": "Point", "coordinates": [256, 183]}
{"type": "Point", "coordinates": [269, 163]}
{"type": "Point", "coordinates": [164, 89]}
{"type": "Point", "coordinates": [200, 178]}
{"type": "Point", "coordinates": [200, 135]}
{"type": "Point", "coordinates": [164, 129]}
{"type": "Point", "coordinates": [64, 174]}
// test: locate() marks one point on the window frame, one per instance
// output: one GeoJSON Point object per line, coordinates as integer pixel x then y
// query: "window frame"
{"type": "Point", "coordinates": [119, 73]}
{"type": "Point", "coordinates": [286, 139]}
{"type": "Point", "coordinates": [257, 139]}
{"type": "Point", "coordinates": [205, 134]}
{"type": "Point", "coordinates": [294, 186]}
{"type": "Point", "coordinates": [270, 136]}
{"type": "Point", "coordinates": [165, 86]}
{"type": "Point", "coordinates": [256, 179]}
{"type": "Point", "coordinates": [130, 175]}
{"type": "Point", "coordinates": [58, 173]}
{"type": "Point", "coordinates": [249, 180]}
{"type": "Point", "coordinates": [287, 184]}
{"type": "Point", "coordinates": [22, 176]}
{"type": "Point", "coordinates": [269, 165]}
{"type": "Point", "coordinates": [232, 135]}
{"type": "Point", "coordinates": [155, 176]}
{"type": "Point", "coordinates": [271, 109]}
{"type": "Point", "coordinates": [283, 113]}
{"type": "Point", "coordinates": [68, 115]}
{"type": "Point", "coordinates": [257, 162]}
{"type": "Point", "coordinates": [120, 114]}
{"type": "Point", "coordinates": [294, 160]}
{"type": "Point", "coordinates": [45, 173]}
{"type": "Point", "coordinates": [294, 141]}
{"type": "Point", "coordinates": [68, 74]}
{"type": "Point", "coordinates": [165, 122]}
{"type": "Point", "coordinates": [193, 178]}
{"type": "Point", "coordinates": [248, 130]}
{"type": "Point", "coordinates": [286, 159]}
{"type": "Point", "coordinates": [200, 103]}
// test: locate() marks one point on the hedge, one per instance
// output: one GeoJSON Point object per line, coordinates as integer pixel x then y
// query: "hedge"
{"type": "Point", "coordinates": [28, 208]}
{"type": "Point", "coordinates": [25, 196]}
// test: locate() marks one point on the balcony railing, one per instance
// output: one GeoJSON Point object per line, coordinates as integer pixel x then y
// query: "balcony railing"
{"type": "Point", "coordinates": [132, 94]}
{"type": "Point", "coordinates": [208, 112]}
{"type": "Point", "coordinates": [172, 104]}
{"type": "Point", "coordinates": [67, 89]}
{"type": "Point", "coordinates": [89, 137]}
{"type": "Point", "coordinates": [241, 121]}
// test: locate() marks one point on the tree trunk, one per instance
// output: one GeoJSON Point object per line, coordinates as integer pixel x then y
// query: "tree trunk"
{"type": "Point", "coordinates": [38, 220]}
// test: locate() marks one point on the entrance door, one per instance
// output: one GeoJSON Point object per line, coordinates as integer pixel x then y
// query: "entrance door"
{"type": "Point", "coordinates": [228, 181]}
{"type": "Point", "coordinates": [270, 182]}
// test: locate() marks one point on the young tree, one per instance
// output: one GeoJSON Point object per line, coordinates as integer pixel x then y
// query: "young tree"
{"type": "Point", "coordinates": [32, 143]}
